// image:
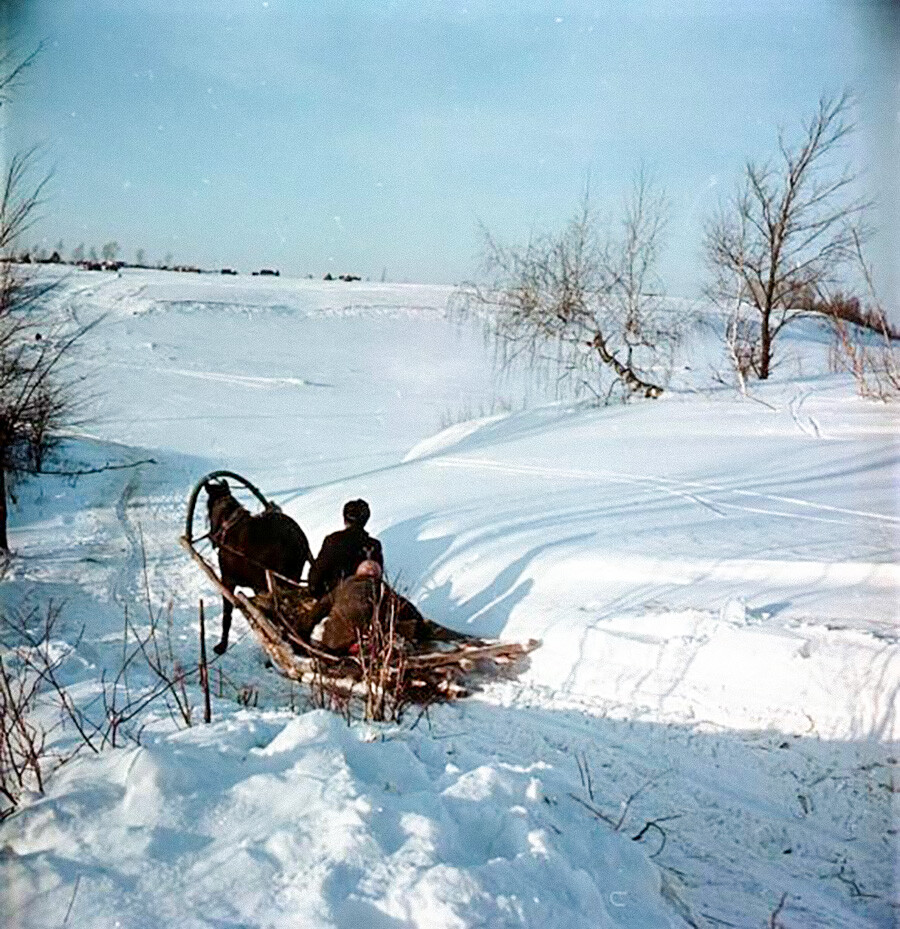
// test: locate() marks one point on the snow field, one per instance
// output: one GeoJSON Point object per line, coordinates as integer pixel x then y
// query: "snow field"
{"type": "Point", "coordinates": [713, 578]}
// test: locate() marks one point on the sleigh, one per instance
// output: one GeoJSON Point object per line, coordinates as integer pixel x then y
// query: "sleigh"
{"type": "Point", "coordinates": [425, 670]}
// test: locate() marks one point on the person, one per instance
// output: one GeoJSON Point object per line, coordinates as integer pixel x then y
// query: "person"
{"type": "Point", "coordinates": [343, 552]}
{"type": "Point", "coordinates": [340, 616]}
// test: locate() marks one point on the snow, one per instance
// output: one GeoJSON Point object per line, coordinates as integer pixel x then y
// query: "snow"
{"type": "Point", "coordinates": [713, 578]}
{"type": "Point", "coordinates": [274, 821]}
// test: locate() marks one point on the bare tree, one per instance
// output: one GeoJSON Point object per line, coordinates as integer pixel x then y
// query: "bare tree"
{"type": "Point", "coordinates": [18, 210]}
{"type": "Point", "coordinates": [588, 305]}
{"type": "Point", "coordinates": [140, 257]}
{"type": "Point", "coordinates": [109, 251]}
{"type": "Point", "coordinates": [786, 233]}
{"type": "Point", "coordinates": [37, 394]}
{"type": "Point", "coordinates": [23, 744]}
{"type": "Point", "coordinates": [649, 331]}
{"type": "Point", "coordinates": [37, 397]}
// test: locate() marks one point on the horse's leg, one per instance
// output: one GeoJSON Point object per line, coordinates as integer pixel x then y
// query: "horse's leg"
{"type": "Point", "coordinates": [227, 608]}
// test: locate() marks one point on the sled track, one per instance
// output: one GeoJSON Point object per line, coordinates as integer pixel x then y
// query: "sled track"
{"type": "Point", "coordinates": [810, 426]}
{"type": "Point", "coordinates": [127, 582]}
{"type": "Point", "coordinates": [685, 489]}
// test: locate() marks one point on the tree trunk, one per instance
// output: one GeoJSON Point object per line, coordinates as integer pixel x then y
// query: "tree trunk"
{"type": "Point", "coordinates": [629, 378]}
{"type": "Point", "coordinates": [765, 347]}
{"type": "Point", "coordinates": [4, 543]}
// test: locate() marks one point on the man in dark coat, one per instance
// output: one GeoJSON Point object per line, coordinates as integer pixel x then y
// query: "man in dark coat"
{"type": "Point", "coordinates": [351, 607]}
{"type": "Point", "coordinates": [343, 552]}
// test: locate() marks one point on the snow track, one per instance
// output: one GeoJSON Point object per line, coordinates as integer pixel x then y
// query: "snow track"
{"type": "Point", "coordinates": [239, 380]}
{"type": "Point", "coordinates": [665, 485]}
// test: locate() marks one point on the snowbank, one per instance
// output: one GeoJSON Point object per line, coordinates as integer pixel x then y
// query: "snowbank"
{"type": "Point", "coordinates": [268, 820]}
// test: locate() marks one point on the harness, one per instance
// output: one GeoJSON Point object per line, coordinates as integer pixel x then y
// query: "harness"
{"type": "Point", "coordinates": [217, 537]}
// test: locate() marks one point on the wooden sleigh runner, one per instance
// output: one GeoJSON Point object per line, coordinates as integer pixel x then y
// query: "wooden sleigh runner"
{"type": "Point", "coordinates": [429, 670]}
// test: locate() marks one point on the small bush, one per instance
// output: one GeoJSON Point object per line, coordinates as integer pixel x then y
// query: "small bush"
{"type": "Point", "coordinates": [849, 309]}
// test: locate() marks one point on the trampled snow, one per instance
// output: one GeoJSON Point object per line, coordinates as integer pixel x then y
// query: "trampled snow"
{"type": "Point", "coordinates": [713, 579]}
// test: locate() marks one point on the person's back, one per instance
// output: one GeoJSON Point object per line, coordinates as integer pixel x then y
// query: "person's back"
{"type": "Point", "coordinates": [342, 552]}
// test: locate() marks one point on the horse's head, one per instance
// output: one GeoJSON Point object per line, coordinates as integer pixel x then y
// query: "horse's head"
{"type": "Point", "coordinates": [217, 488]}
{"type": "Point", "coordinates": [220, 502]}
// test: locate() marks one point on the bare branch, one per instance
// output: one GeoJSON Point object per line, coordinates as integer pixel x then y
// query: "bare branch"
{"type": "Point", "coordinates": [774, 921]}
{"type": "Point", "coordinates": [38, 394]}
{"type": "Point", "coordinates": [12, 72]}
{"type": "Point", "coordinates": [100, 470]}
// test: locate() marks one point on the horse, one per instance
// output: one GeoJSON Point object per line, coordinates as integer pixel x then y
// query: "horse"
{"type": "Point", "coordinates": [249, 545]}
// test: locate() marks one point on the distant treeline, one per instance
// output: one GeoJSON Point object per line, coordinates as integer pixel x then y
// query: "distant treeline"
{"type": "Point", "coordinates": [108, 260]}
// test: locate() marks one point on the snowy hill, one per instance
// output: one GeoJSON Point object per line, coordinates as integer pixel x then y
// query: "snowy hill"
{"type": "Point", "coordinates": [713, 578]}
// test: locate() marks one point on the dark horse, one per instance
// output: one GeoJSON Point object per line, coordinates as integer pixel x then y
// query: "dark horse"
{"type": "Point", "coordinates": [249, 545]}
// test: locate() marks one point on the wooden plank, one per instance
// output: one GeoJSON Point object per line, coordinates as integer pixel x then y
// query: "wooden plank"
{"type": "Point", "coordinates": [473, 652]}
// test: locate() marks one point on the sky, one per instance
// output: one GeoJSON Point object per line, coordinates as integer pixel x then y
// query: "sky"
{"type": "Point", "coordinates": [379, 138]}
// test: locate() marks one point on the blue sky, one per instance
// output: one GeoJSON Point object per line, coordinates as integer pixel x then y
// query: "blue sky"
{"type": "Point", "coordinates": [361, 136]}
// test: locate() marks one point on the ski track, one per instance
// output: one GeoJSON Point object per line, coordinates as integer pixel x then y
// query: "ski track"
{"type": "Point", "coordinates": [238, 380]}
{"type": "Point", "coordinates": [680, 488]}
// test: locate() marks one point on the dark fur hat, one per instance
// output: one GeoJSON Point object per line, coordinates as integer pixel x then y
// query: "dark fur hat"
{"type": "Point", "coordinates": [356, 512]}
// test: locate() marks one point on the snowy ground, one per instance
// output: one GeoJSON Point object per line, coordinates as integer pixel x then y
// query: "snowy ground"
{"type": "Point", "coordinates": [713, 579]}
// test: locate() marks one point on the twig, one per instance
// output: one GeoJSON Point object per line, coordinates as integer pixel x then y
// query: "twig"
{"type": "Point", "coordinates": [855, 890]}
{"type": "Point", "coordinates": [631, 799]}
{"type": "Point", "coordinates": [654, 824]}
{"type": "Point", "coordinates": [592, 809]}
{"type": "Point", "coordinates": [72, 901]}
{"type": "Point", "coordinates": [100, 470]}
{"type": "Point", "coordinates": [774, 921]}
{"type": "Point", "coordinates": [584, 772]}
{"type": "Point", "coordinates": [204, 670]}
{"type": "Point", "coordinates": [718, 921]}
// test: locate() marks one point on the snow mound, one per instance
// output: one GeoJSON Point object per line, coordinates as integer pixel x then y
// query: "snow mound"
{"type": "Point", "coordinates": [272, 821]}
{"type": "Point", "coordinates": [450, 437]}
